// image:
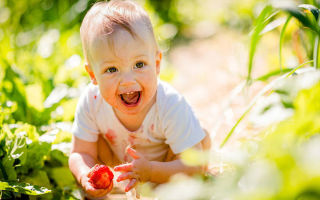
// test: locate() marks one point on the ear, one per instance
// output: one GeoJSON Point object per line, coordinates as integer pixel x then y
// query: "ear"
{"type": "Point", "coordinates": [158, 61]}
{"type": "Point", "coordinates": [91, 74]}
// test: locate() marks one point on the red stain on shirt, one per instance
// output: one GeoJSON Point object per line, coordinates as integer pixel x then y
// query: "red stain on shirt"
{"type": "Point", "coordinates": [131, 139]}
{"type": "Point", "coordinates": [152, 127]}
{"type": "Point", "coordinates": [95, 96]}
{"type": "Point", "coordinates": [111, 136]}
{"type": "Point", "coordinates": [141, 129]}
{"type": "Point", "coordinates": [125, 158]}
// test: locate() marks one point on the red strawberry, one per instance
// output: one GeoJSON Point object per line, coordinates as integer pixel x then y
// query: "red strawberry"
{"type": "Point", "coordinates": [100, 176]}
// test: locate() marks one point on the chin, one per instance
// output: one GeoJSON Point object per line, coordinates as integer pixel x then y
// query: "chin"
{"type": "Point", "coordinates": [130, 111]}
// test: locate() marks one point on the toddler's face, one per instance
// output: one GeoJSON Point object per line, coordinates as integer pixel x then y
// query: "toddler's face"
{"type": "Point", "coordinates": [126, 69]}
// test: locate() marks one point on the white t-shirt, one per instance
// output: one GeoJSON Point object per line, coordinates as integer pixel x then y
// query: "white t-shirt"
{"type": "Point", "coordinates": [170, 123]}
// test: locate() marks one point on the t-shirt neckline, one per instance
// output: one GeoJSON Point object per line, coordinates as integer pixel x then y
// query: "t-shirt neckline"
{"type": "Point", "coordinates": [119, 124]}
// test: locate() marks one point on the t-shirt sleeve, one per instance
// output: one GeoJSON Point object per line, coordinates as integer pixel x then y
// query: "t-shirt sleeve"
{"type": "Point", "coordinates": [84, 125]}
{"type": "Point", "coordinates": [181, 127]}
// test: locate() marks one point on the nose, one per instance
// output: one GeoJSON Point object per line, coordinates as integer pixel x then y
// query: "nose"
{"type": "Point", "coordinates": [127, 79]}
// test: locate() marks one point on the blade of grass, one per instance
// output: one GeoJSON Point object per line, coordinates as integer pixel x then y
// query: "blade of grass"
{"type": "Point", "coordinates": [261, 22]}
{"type": "Point", "coordinates": [273, 73]}
{"type": "Point", "coordinates": [316, 48]}
{"type": "Point", "coordinates": [255, 99]}
{"type": "Point", "coordinates": [273, 25]}
{"type": "Point", "coordinates": [281, 39]}
{"type": "Point", "coordinates": [295, 69]}
{"type": "Point", "coordinates": [316, 52]}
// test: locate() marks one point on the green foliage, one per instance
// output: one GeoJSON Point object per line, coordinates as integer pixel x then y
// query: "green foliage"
{"type": "Point", "coordinates": [30, 166]}
{"type": "Point", "coordinates": [307, 15]}
{"type": "Point", "coordinates": [282, 164]}
{"type": "Point", "coordinates": [41, 75]}
{"type": "Point", "coordinates": [23, 188]}
{"type": "Point", "coordinates": [262, 21]}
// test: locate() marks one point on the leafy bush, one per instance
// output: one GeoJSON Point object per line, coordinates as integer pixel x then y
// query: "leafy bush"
{"type": "Point", "coordinates": [41, 78]}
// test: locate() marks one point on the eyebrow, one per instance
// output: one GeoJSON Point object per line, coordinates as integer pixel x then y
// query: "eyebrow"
{"type": "Point", "coordinates": [140, 55]}
{"type": "Point", "coordinates": [107, 62]}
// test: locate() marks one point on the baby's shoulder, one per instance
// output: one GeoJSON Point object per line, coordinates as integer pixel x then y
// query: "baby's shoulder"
{"type": "Point", "coordinates": [91, 97]}
{"type": "Point", "coordinates": [168, 97]}
{"type": "Point", "coordinates": [167, 93]}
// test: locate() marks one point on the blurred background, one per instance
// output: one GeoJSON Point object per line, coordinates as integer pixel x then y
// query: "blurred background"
{"type": "Point", "coordinates": [208, 46]}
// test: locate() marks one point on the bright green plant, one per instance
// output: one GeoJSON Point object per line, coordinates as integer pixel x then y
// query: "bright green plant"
{"type": "Point", "coordinates": [29, 163]}
{"type": "Point", "coordinates": [308, 16]}
{"type": "Point", "coordinates": [282, 163]}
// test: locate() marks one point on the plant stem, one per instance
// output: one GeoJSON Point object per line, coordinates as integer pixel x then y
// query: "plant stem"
{"type": "Point", "coordinates": [316, 52]}
{"type": "Point", "coordinates": [255, 99]}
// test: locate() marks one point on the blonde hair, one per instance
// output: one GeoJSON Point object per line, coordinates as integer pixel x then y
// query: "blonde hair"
{"type": "Point", "coordinates": [104, 18]}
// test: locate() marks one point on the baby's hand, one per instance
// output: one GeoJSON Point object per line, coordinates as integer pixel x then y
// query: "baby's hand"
{"type": "Point", "coordinates": [92, 182]}
{"type": "Point", "coordinates": [138, 170]}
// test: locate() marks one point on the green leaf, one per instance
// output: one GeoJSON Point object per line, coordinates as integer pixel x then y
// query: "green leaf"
{"type": "Point", "coordinates": [29, 130]}
{"type": "Point", "coordinates": [62, 176]}
{"type": "Point", "coordinates": [24, 188]}
{"type": "Point", "coordinates": [266, 77]}
{"type": "Point", "coordinates": [36, 155]}
{"type": "Point", "coordinates": [39, 177]}
{"type": "Point", "coordinates": [281, 39]}
{"type": "Point", "coordinates": [314, 10]}
{"type": "Point", "coordinates": [260, 24]}
{"type": "Point", "coordinates": [301, 16]}
{"type": "Point", "coordinates": [254, 100]}
{"type": "Point", "coordinates": [9, 171]}
{"type": "Point", "coordinates": [58, 158]}
{"type": "Point", "coordinates": [15, 149]}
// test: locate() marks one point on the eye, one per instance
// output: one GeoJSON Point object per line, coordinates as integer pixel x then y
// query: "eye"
{"type": "Point", "coordinates": [139, 65]}
{"type": "Point", "coordinates": [111, 70]}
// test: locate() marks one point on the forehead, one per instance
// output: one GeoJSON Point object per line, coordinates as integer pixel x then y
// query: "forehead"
{"type": "Point", "coordinates": [122, 43]}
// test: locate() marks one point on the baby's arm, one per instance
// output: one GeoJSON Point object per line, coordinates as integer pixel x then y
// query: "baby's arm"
{"type": "Point", "coordinates": [82, 158]}
{"type": "Point", "coordinates": [162, 171]}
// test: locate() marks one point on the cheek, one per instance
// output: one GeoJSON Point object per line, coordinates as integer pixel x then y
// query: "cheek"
{"type": "Point", "coordinates": [151, 86]}
{"type": "Point", "coordinates": [108, 89]}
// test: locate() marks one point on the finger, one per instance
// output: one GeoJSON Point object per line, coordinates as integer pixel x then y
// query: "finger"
{"type": "Point", "coordinates": [131, 184]}
{"type": "Point", "coordinates": [123, 168]}
{"type": "Point", "coordinates": [133, 153]}
{"type": "Point", "coordinates": [96, 192]}
{"type": "Point", "coordinates": [103, 192]}
{"type": "Point", "coordinates": [128, 175]}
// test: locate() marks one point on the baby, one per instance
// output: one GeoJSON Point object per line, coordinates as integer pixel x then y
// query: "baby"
{"type": "Point", "coordinates": [127, 118]}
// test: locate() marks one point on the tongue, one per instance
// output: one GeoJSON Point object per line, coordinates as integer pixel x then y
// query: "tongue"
{"type": "Point", "coordinates": [130, 98]}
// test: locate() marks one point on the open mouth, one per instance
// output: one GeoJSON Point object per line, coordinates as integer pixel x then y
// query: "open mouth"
{"type": "Point", "coordinates": [131, 98]}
